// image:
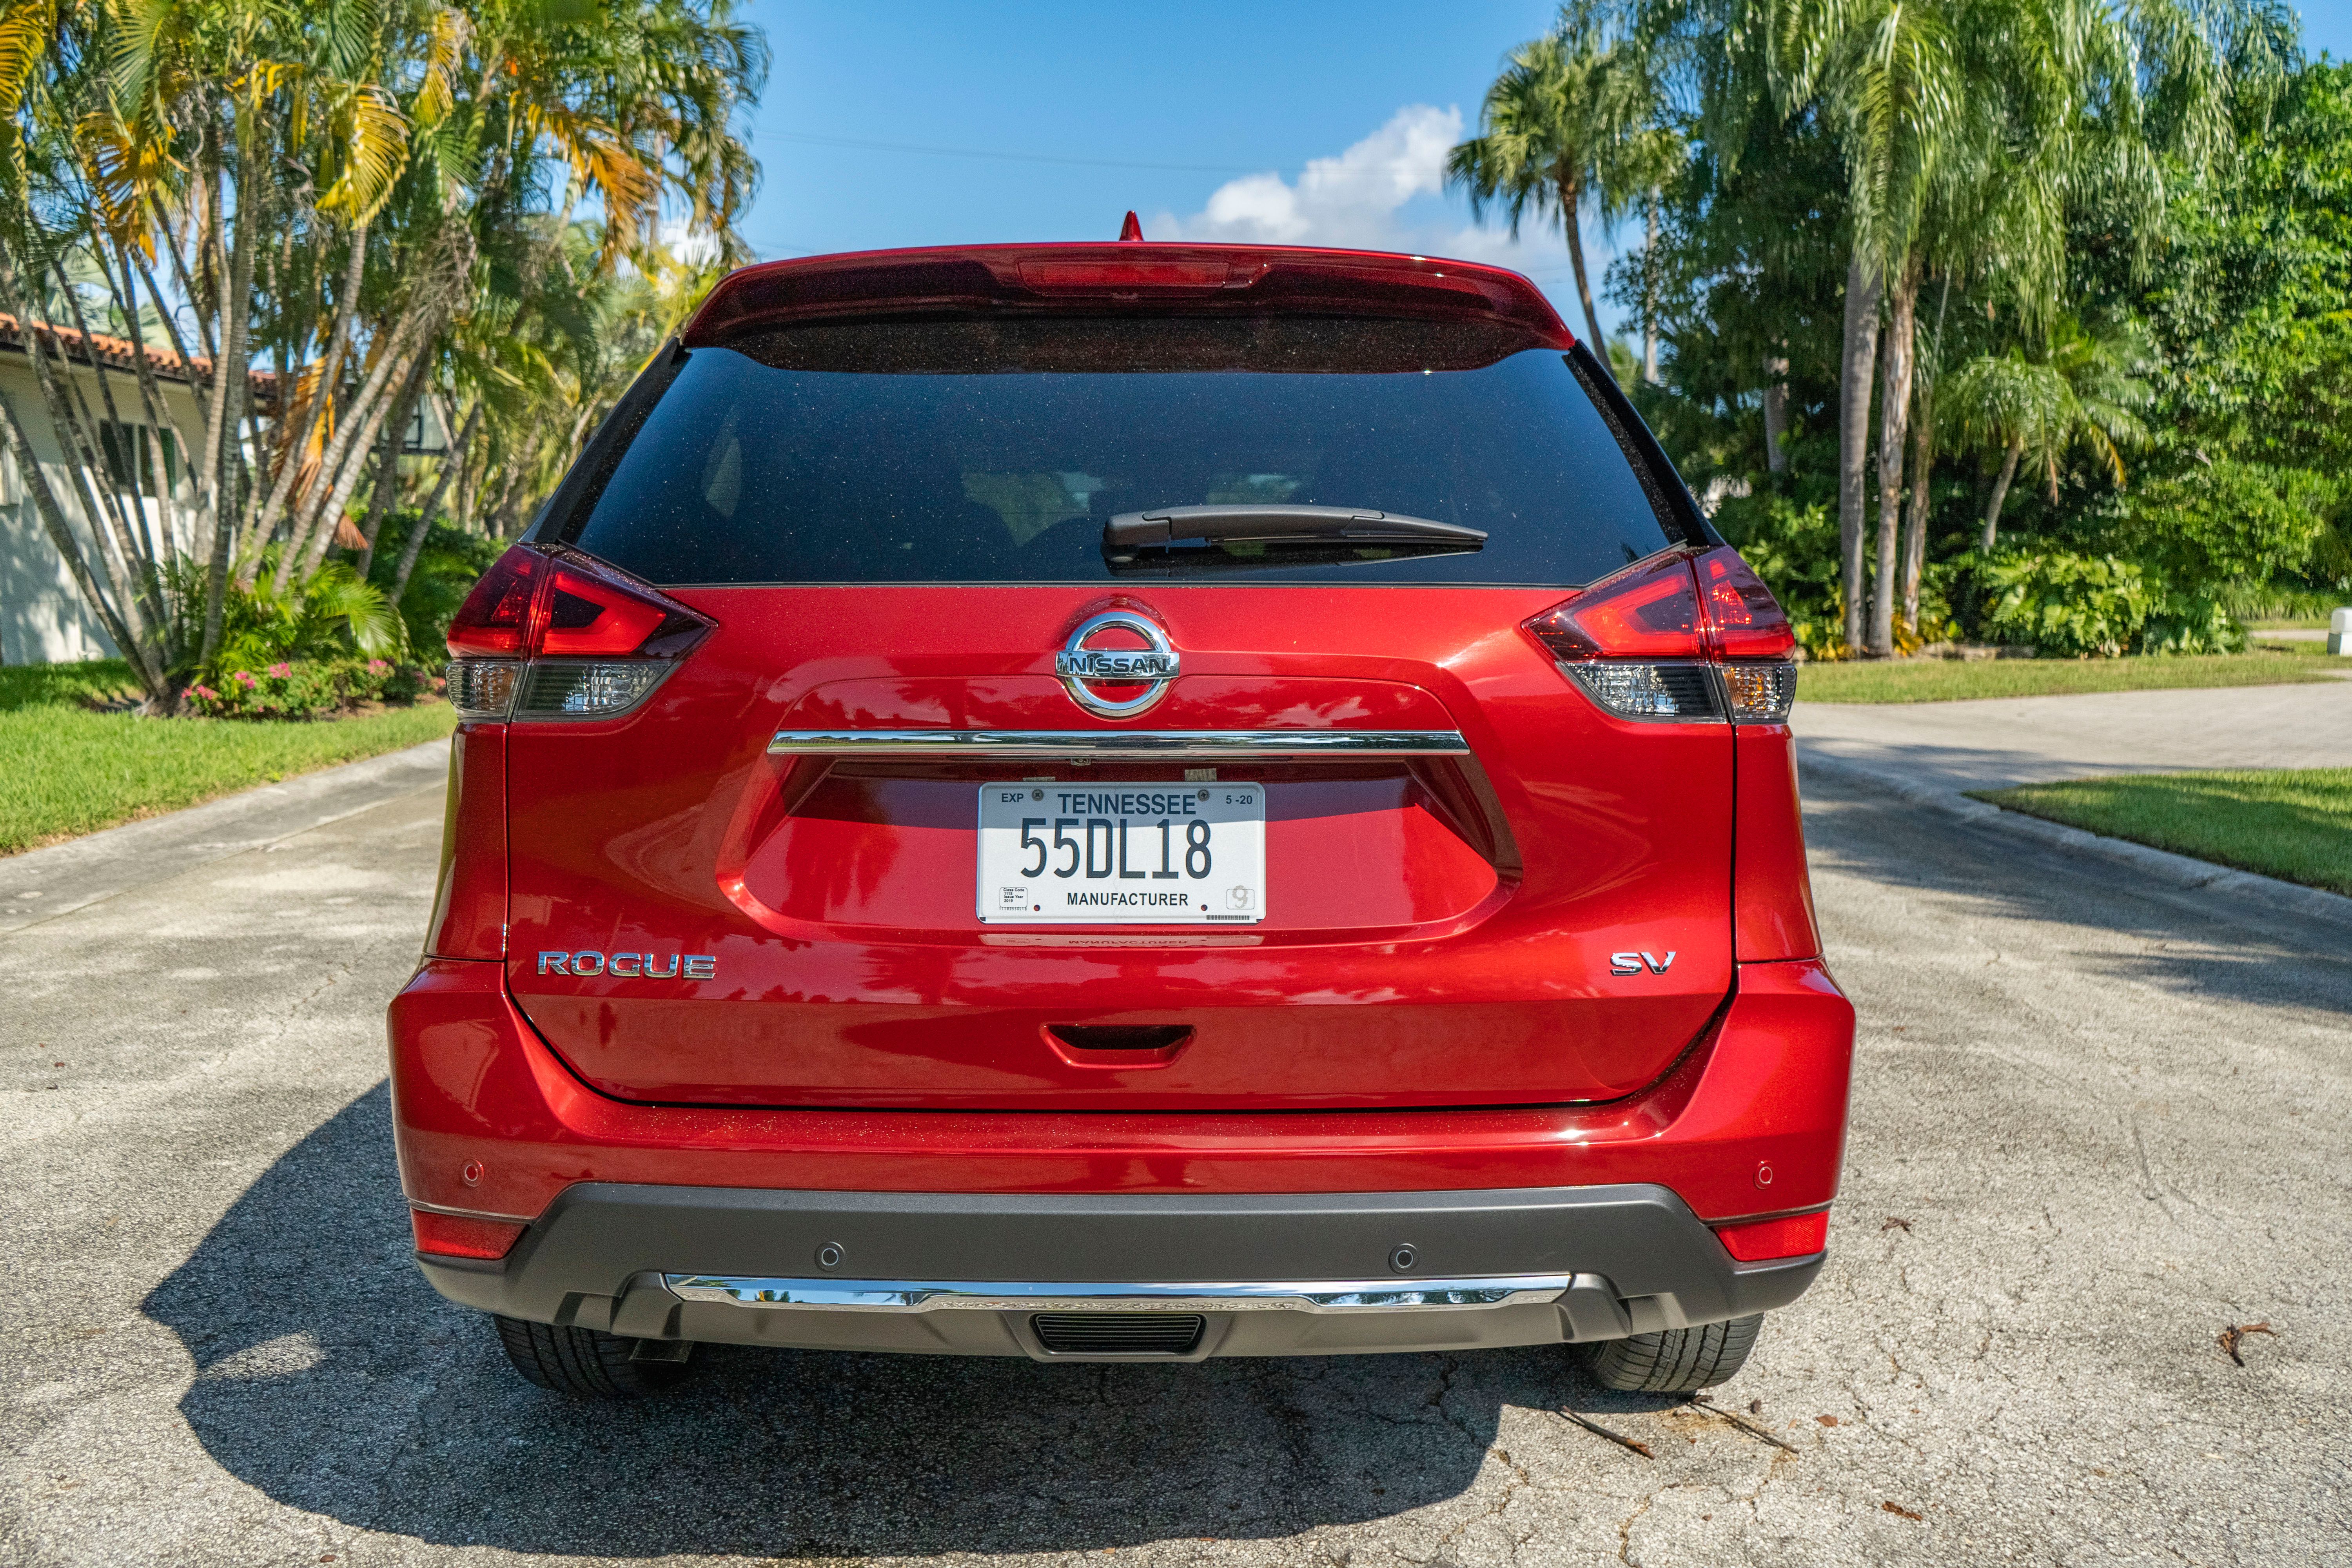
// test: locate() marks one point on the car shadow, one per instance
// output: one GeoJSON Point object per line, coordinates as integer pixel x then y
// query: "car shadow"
{"type": "Point", "coordinates": [331, 1378]}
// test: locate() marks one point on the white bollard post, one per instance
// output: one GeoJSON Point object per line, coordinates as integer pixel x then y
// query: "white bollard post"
{"type": "Point", "coordinates": [2339, 632]}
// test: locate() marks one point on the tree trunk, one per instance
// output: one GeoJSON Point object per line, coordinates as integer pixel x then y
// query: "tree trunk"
{"type": "Point", "coordinates": [132, 542]}
{"type": "Point", "coordinates": [228, 395]}
{"type": "Point", "coordinates": [356, 429]}
{"type": "Point", "coordinates": [1571, 200]}
{"type": "Point", "coordinates": [185, 284]}
{"type": "Point", "coordinates": [330, 367]}
{"type": "Point", "coordinates": [159, 411]}
{"type": "Point", "coordinates": [450, 468]}
{"type": "Point", "coordinates": [1857, 359]}
{"type": "Point", "coordinates": [376, 402]}
{"type": "Point", "coordinates": [1650, 294]}
{"type": "Point", "coordinates": [1776, 412]}
{"type": "Point", "coordinates": [197, 384]}
{"type": "Point", "coordinates": [513, 482]}
{"type": "Point", "coordinates": [469, 497]}
{"type": "Point", "coordinates": [1915, 527]}
{"type": "Point", "coordinates": [433, 281]}
{"type": "Point", "coordinates": [2001, 493]}
{"type": "Point", "coordinates": [1894, 424]}
{"type": "Point", "coordinates": [87, 438]}
{"type": "Point", "coordinates": [387, 473]}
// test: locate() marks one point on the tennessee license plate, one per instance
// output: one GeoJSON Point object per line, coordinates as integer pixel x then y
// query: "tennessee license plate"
{"type": "Point", "coordinates": [1080, 854]}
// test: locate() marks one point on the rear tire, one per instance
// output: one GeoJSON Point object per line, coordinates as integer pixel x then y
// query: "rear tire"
{"type": "Point", "coordinates": [582, 1363]}
{"type": "Point", "coordinates": [1677, 1360]}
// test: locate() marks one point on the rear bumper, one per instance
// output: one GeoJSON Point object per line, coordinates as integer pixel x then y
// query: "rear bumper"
{"type": "Point", "coordinates": [1264, 1274]}
{"type": "Point", "coordinates": [619, 1196]}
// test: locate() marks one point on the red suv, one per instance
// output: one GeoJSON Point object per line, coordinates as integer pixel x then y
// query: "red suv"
{"type": "Point", "coordinates": [1122, 802]}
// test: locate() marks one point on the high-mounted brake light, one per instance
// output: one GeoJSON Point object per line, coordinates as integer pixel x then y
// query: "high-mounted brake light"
{"type": "Point", "coordinates": [1123, 274]}
{"type": "Point", "coordinates": [548, 633]}
{"type": "Point", "coordinates": [1677, 638]}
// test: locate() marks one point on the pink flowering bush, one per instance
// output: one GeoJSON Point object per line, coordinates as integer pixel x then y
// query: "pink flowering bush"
{"type": "Point", "coordinates": [307, 689]}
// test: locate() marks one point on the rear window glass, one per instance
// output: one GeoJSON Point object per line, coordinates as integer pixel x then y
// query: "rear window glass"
{"type": "Point", "coordinates": [995, 451]}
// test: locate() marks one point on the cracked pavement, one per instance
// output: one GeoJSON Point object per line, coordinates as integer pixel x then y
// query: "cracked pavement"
{"type": "Point", "coordinates": [2109, 1114]}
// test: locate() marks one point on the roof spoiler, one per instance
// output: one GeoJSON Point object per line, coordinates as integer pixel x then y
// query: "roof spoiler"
{"type": "Point", "coordinates": [1245, 279]}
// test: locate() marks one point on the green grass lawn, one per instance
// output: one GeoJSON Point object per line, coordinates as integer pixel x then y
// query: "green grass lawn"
{"type": "Point", "coordinates": [2292, 823]}
{"type": "Point", "coordinates": [71, 771]}
{"type": "Point", "coordinates": [1950, 679]}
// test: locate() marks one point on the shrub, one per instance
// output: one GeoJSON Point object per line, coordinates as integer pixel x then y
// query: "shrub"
{"type": "Point", "coordinates": [276, 692]}
{"type": "Point", "coordinates": [2065, 604]}
{"type": "Point", "coordinates": [447, 569]}
{"type": "Point", "coordinates": [1794, 549]}
{"type": "Point", "coordinates": [332, 615]}
{"type": "Point", "coordinates": [2191, 623]}
{"type": "Point", "coordinates": [333, 618]}
{"type": "Point", "coordinates": [2226, 523]}
{"type": "Point", "coordinates": [306, 689]}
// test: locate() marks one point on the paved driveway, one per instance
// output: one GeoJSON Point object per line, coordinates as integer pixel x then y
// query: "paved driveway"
{"type": "Point", "coordinates": [2028, 740]}
{"type": "Point", "coordinates": [2094, 1123]}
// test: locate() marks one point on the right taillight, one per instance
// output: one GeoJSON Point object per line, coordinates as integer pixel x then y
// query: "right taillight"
{"type": "Point", "coordinates": [548, 633]}
{"type": "Point", "coordinates": [1677, 638]}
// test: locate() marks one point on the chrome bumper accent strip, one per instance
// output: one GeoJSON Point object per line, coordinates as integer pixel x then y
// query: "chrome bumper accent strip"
{"type": "Point", "coordinates": [1123, 743]}
{"type": "Point", "coordinates": [1003, 1296]}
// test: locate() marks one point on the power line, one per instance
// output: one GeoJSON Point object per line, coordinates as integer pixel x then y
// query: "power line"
{"type": "Point", "coordinates": [860, 144]}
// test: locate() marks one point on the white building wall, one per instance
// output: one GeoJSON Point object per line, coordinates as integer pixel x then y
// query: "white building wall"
{"type": "Point", "coordinates": [44, 618]}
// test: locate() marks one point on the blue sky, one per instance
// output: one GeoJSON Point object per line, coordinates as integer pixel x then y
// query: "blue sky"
{"type": "Point", "coordinates": [1317, 123]}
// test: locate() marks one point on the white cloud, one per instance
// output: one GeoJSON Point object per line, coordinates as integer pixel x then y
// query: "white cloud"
{"type": "Point", "coordinates": [695, 247]}
{"type": "Point", "coordinates": [1351, 199]}
{"type": "Point", "coordinates": [1383, 193]}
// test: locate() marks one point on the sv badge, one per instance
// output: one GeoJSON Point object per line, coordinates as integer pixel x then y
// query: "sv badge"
{"type": "Point", "coordinates": [1634, 963]}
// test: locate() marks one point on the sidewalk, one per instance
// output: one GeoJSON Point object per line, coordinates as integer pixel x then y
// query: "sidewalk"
{"type": "Point", "coordinates": [1928, 754]}
{"type": "Point", "coordinates": [41, 884]}
{"type": "Point", "coordinates": [1993, 741]}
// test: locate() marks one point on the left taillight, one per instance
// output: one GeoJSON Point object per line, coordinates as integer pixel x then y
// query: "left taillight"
{"type": "Point", "coordinates": [1677, 638]}
{"type": "Point", "coordinates": [551, 633]}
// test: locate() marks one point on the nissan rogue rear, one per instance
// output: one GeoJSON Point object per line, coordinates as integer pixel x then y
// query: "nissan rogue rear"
{"type": "Point", "coordinates": [1122, 802]}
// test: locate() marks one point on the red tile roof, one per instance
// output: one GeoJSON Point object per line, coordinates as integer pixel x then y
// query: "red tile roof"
{"type": "Point", "coordinates": [119, 353]}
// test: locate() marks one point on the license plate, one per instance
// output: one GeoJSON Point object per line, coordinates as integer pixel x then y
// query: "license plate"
{"type": "Point", "coordinates": [1079, 854]}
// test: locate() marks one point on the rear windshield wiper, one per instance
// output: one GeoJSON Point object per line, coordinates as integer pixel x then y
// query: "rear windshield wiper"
{"type": "Point", "coordinates": [1129, 533]}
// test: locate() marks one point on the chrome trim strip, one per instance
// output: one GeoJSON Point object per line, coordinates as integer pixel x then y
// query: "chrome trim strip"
{"type": "Point", "coordinates": [1125, 744]}
{"type": "Point", "coordinates": [1006, 1296]}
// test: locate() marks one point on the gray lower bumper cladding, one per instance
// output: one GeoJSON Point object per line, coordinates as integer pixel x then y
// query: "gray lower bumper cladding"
{"type": "Point", "coordinates": [1266, 1274]}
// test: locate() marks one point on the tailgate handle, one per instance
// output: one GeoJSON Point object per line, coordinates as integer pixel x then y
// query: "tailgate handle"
{"type": "Point", "coordinates": [1121, 1037]}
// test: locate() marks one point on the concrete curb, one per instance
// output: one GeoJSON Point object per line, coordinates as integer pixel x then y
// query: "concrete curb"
{"type": "Point", "coordinates": [2179, 870]}
{"type": "Point", "coordinates": [43, 883]}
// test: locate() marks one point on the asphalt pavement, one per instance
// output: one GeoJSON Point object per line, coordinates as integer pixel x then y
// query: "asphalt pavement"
{"type": "Point", "coordinates": [2097, 1120]}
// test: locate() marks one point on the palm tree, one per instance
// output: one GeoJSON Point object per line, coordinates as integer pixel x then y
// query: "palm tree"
{"type": "Point", "coordinates": [1973, 131]}
{"type": "Point", "coordinates": [1888, 76]}
{"type": "Point", "coordinates": [1650, 151]}
{"type": "Point", "coordinates": [2001, 401]}
{"type": "Point", "coordinates": [2085, 390]}
{"type": "Point", "coordinates": [318, 185]}
{"type": "Point", "coordinates": [1545, 136]}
